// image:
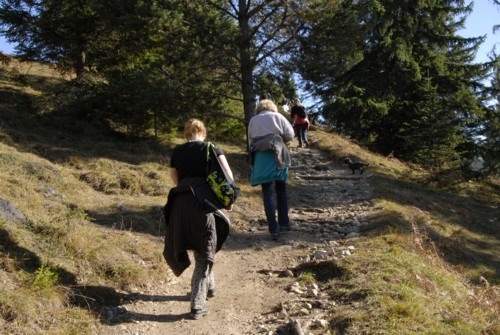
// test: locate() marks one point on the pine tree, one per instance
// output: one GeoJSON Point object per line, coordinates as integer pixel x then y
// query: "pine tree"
{"type": "Point", "coordinates": [487, 139]}
{"type": "Point", "coordinates": [76, 35]}
{"type": "Point", "coordinates": [391, 69]}
{"type": "Point", "coordinates": [265, 29]}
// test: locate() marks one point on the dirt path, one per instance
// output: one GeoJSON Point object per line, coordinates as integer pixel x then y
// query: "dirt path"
{"type": "Point", "coordinates": [256, 295]}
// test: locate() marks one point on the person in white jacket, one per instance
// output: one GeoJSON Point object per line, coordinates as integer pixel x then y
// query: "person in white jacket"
{"type": "Point", "coordinates": [268, 133]}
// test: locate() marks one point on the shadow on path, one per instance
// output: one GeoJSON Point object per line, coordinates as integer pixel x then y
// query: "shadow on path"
{"type": "Point", "coordinates": [164, 318]}
{"type": "Point", "coordinates": [109, 304]}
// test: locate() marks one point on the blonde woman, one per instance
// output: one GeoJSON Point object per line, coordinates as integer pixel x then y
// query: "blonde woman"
{"type": "Point", "coordinates": [193, 222]}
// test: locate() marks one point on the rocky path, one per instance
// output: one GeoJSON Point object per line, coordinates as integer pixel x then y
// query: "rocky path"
{"type": "Point", "coordinates": [258, 289]}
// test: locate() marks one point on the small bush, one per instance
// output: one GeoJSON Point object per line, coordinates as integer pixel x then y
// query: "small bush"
{"type": "Point", "coordinates": [307, 277]}
{"type": "Point", "coordinates": [45, 277]}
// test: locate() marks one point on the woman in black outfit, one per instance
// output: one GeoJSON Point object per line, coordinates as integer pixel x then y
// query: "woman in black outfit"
{"type": "Point", "coordinates": [194, 217]}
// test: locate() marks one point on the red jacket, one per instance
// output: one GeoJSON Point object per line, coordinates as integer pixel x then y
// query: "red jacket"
{"type": "Point", "coordinates": [298, 120]}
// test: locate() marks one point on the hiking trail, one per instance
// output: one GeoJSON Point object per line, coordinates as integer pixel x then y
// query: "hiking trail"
{"type": "Point", "coordinates": [257, 288]}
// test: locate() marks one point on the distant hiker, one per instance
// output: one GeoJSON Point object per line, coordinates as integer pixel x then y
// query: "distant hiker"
{"type": "Point", "coordinates": [193, 221]}
{"type": "Point", "coordinates": [268, 133]}
{"type": "Point", "coordinates": [300, 122]}
{"type": "Point", "coordinates": [265, 96]}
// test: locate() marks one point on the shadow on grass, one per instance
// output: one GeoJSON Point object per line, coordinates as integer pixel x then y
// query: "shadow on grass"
{"type": "Point", "coordinates": [98, 299]}
{"type": "Point", "coordinates": [62, 136]}
{"type": "Point", "coordinates": [147, 221]}
{"type": "Point", "coordinates": [15, 99]}
{"type": "Point", "coordinates": [21, 258]}
{"type": "Point", "coordinates": [465, 231]}
{"type": "Point", "coordinates": [26, 260]}
{"type": "Point", "coordinates": [77, 141]}
{"type": "Point", "coordinates": [59, 136]}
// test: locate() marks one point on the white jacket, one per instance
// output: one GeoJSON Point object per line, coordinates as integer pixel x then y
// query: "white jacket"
{"type": "Point", "coordinates": [266, 123]}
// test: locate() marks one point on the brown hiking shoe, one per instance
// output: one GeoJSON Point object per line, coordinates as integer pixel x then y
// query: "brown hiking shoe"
{"type": "Point", "coordinates": [197, 314]}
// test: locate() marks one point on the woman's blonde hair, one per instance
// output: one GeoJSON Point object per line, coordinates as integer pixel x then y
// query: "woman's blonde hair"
{"type": "Point", "coordinates": [265, 104]}
{"type": "Point", "coordinates": [194, 128]}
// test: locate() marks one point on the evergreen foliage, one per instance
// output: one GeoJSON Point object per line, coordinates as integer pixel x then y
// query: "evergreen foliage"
{"type": "Point", "coordinates": [75, 35]}
{"type": "Point", "coordinates": [266, 30]}
{"type": "Point", "coordinates": [393, 74]}
{"type": "Point", "coordinates": [396, 75]}
{"type": "Point", "coordinates": [488, 132]}
{"type": "Point", "coordinates": [280, 86]}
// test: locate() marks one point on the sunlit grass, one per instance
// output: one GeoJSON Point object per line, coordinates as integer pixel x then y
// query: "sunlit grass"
{"type": "Point", "coordinates": [93, 209]}
{"type": "Point", "coordinates": [421, 271]}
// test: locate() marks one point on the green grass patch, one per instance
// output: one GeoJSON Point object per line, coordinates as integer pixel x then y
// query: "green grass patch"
{"type": "Point", "coordinates": [432, 267]}
{"type": "Point", "coordinates": [91, 199]}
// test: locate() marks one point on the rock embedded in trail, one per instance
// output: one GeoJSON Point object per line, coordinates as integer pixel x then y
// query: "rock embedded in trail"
{"type": "Point", "coordinates": [259, 280]}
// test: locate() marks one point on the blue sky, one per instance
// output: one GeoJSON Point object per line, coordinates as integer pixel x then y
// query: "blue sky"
{"type": "Point", "coordinates": [479, 23]}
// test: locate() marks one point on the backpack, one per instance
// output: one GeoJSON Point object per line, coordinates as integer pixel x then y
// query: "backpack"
{"type": "Point", "coordinates": [302, 113]}
{"type": "Point", "coordinates": [221, 184]}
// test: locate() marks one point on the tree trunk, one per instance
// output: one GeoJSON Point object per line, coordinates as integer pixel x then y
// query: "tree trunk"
{"type": "Point", "coordinates": [248, 92]}
{"type": "Point", "coordinates": [246, 65]}
{"type": "Point", "coordinates": [80, 64]}
{"type": "Point", "coordinates": [246, 62]}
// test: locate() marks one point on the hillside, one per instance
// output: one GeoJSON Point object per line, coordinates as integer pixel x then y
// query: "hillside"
{"type": "Point", "coordinates": [393, 251]}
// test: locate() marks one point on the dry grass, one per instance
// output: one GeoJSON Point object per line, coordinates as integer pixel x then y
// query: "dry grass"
{"type": "Point", "coordinates": [92, 208]}
{"type": "Point", "coordinates": [93, 231]}
{"type": "Point", "coordinates": [434, 268]}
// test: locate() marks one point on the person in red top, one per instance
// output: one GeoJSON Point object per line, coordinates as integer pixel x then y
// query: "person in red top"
{"type": "Point", "coordinates": [300, 122]}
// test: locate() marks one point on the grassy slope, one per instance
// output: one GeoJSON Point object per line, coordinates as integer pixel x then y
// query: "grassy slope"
{"type": "Point", "coordinates": [94, 229]}
{"type": "Point", "coordinates": [92, 205]}
{"type": "Point", "coordinates": [433, 266]}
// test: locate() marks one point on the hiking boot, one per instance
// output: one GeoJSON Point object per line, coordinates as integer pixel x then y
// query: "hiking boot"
{"type": "Point", "coordinates": [285, 229]}
{"type": "Point", "coordinates": [274, 237]}
{"type": "Point", "coordinates": [211, 293]}
{"type": "Point", "coordinates": [197, 314]}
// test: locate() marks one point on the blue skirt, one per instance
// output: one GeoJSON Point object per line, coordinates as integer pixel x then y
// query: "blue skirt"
{"type": "Point", "coordinates": [265, 170]}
